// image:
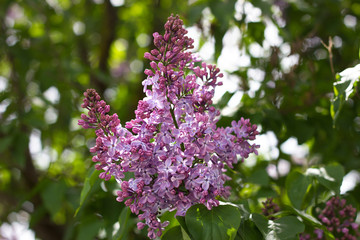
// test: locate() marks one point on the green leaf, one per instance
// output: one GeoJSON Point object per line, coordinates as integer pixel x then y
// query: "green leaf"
{"type": "Point", "coordinates": [296, 186]}
{"type": "Point", "coordinates": [319, 173]}
{"type": "Point", "coordinates": [260, 177]}
{"type": "Point", "coordinates": [194, 13]}
{"type": "Point", "coordinates": [311, 221]}
{"type": "Point", "coordinates": [218, 36]}
{"type": "Point", "coordinates": [261, 222]}
{"type": "Point", "coordinates": [335, 109]}
{"type": "Point", "coordinates": [90, 180]}
{"type": "Point", "coordinates": [218, 223]}
{"type": "Point", "coordinates": [182, 223]}
{"type": "Point", "coordinates": [330, 176]}
{"type": "Point", "coordinates": [280, 229]}
{"type": "Point", "coordinates": [287, 227]}
{"type": "Point", "coordinates": [337, 172]}
{"type": "Point", "coordinates": [256, 30]}
{"type": "Point", "coordinates": [53, 195]}
{"type": "Point", "coordinates": [175, 233]}
{"type": "Point", "coordinates": [169, 216]}
{"type": "Point", "coordinates": [224, 100]}
{"type": "Point", "coordinates": [125, 224]}
{"type": "Point", "coordinates": [89, 228]}
{"type": "Point", "coordinates": [343, 89]}
{"type": "Point", "coordinates": [248, 231]}
{"type": "Point", "coordinates": [185, 234]}
{"type": "Point", "coordinates": [223, 12]}
{"type": "Point", "coordinates": [244, 209]}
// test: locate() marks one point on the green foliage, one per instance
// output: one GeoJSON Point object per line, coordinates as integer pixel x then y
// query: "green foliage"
{"type": "Point", "coordinates": [283, 228]}
{"type": "Point", "coordinates": [329, 176]}
{"type": "Point", "coordinates": [297, 186]}
{"type": "Point", "coordinates": [53, 196]}
{"type": "Point", "coordinates": [343, 89]}
{"type": "Point", "coordinates": [89, 228]}
{"type": "Point", "coordinates": [51, 51]}
{"type": "Point", "coordinates": [91, 181]}
{"type": "Point", "coordinates": [220, 222]}
{"type": "Point", "coordinates": [125, 225]}
{"type": "Point", "coordinates": [248, 231]}
{"type": "Point", "coordinates": [176, 233]}
{"type": "Point", "coordinates": [311, 222]}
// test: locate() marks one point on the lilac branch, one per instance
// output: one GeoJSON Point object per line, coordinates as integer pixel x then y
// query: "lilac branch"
{"type": "Point", "coordinates": [173, 147]}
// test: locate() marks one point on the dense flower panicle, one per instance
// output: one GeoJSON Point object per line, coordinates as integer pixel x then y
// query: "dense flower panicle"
{"type": "Point", "coordinates": [97, 116]}
{"type": "Point", "coordinates": [173, 147]}
{"type": "Point", "coordinates": [270, 208]}
{"type": "Point", "coordinates": [339, 219]}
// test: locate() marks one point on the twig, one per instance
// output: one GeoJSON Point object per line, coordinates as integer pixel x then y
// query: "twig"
{"type": "Point", "coordinates": [329, 48]}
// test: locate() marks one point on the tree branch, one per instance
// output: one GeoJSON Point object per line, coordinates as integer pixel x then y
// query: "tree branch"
{"type": "Point", "coordinates": [329, 49]}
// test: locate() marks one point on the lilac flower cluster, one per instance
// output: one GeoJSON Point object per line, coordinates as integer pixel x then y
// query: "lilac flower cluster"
{"type": "Point", "coordinates": [173, 148]}
{"type": "Point", "coordinates": [270, 208]}
{"type": "Point", "coordinates": [339, 219]}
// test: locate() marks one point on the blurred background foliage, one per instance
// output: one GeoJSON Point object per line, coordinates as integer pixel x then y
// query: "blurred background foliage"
{"type": "Point", "coordinates": [52, 51]}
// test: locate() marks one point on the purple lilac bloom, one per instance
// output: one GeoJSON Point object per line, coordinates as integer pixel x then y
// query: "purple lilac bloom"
{"type": "Point", "coordinates": [270, 208]}
{"type": "Point", "coordinates": [339, 219]}
{"type": "Point", "coordinates": [173, 147]}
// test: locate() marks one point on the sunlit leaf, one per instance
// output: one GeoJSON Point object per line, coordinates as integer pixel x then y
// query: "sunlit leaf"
{"type": "Point", "coordinates": [329, 176]}
{"type": "Point", "coordinates": [280, 229]}
{"type": "Point", "coordinates": [170, 217]}
{"type": "Point", "coordinates": [343, 88]}
{"type": "Point", "coordinates": [244, 209]}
